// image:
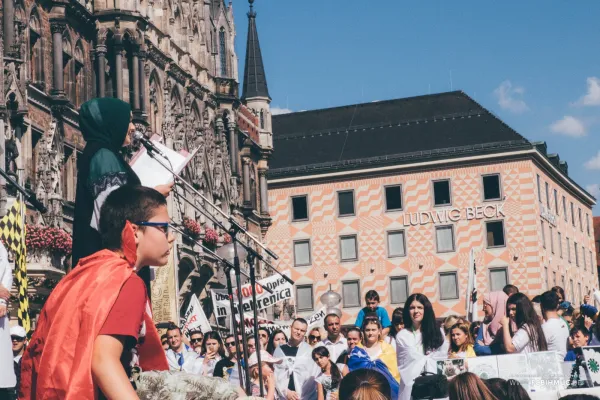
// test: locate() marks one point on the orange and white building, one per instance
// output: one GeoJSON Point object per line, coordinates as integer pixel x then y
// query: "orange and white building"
{"type": "Point", "coordinates": [393, 196]}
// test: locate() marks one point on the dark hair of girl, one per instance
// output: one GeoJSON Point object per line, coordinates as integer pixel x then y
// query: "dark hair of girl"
{"type": "Point", "coordinates": [213, 335]}
{"type": "Point", "coordinates": [509, 390]}
{"type": "Point", "coordinates": [528, 319]}
{"type": "Point", "coordinates": [560, 291]}
{"type": "Point", "coordinates": [474, 329]}
{"type": "Point", "coordinates": [336, 375]}
{"type": "Point", "coordinates": [397, 318]}
{"type": "Point", "coordinates": [271, 344]}
{"type": "Point", "coordinates": [430, 332]}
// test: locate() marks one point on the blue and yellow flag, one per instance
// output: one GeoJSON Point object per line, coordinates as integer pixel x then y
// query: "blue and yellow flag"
{"type": "Point", "coordinates": [12, 234]}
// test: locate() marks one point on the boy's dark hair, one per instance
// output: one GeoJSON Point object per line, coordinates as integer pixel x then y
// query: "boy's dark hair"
{"type": "Point", "coordinates": [549, 301]}
{"type": "Point", "coordinates": [195, 332]}
{"type": "Point", "coordinates": [510, 290]}
{"type": "Point", "coordinates": [584, 331]}
{"type": "Point", "coordinates": [127, 203]}
{"type": "Point", "coordinates": [327, 317]}
{"type": "Point", "coordinates": [301, 320]}
{"type": "Point", "coordinates": [174, 327]}
{"type": "Point", "coordinates": [372, 295]}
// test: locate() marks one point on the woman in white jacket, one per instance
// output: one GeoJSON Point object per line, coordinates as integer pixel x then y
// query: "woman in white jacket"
{"type": "Point", "coordinates": [7, 377]}
{"type": "Point", "coordinates": [419, 344]}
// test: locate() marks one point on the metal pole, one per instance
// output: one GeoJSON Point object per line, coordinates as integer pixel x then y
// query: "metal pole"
{"type": "Point", "coordinates": [238, 281]}
{"type": "Point", "coordinates": [255, 312]}
{"type": "Point", "coordinates": [234, 325]}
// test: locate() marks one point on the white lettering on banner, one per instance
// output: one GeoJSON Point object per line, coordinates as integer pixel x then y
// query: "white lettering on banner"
{"type": "Point", "coordinates": [453, 214]}
{"type": "Point", "coordinates": [282, 290]}
{"type": "Point", "coordinates": [194, 318]}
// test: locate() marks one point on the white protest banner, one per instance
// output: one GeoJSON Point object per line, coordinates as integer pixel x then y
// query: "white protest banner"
{"type": "Point", "coordinates": [316, 317]}
{"type": "Point", "coordinates": [194, 318]}
{"type": "Point", "coordinates": [282, 290]}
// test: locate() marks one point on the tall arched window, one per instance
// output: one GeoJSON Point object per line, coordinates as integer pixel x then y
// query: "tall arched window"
{"type": "Point", "coordinates": [262, 119]}
{"type": "Point", "coordinates": [36, 55]}
{"type": "Point", "coordinates": [223, 52]}
{"type": "Point", "coordinates": [80, 95]}
{"type": "Point", "coordinates": [68, 68]}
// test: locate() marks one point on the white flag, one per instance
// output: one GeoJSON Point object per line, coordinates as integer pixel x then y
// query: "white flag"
{"type": "Point", "coordinates": [195, 318]}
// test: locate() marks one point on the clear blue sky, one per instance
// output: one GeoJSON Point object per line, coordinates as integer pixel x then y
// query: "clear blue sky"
{"type": "Point", "coordinates": [535, 64]}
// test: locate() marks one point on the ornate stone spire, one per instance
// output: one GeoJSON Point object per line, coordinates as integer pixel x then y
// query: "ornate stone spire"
{"type": "Point", "coordinates": [255, 79]}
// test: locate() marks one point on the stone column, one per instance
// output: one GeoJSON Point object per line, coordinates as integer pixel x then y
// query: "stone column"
{"type": "Point", "coordinates": [58, 28]}
{"type": "Point", "coordinates": [101, 69]}
{"type": "Point", "coordinates": [264, 194]}
{"type": "Point", "coordinates": [9, 25]}
{"type": "Point", "coordinates": [119, 65]}
{"type": "Point", "coordinates": [94, 74]}
{"type": "Point", "coordinates": [142, 84]}
{"type": "Point", "coordinates": [246, 179]}
{"type": "Point", "coordinates": [233, 148]}
{"type": "Point", "coordinates": [135, 64]}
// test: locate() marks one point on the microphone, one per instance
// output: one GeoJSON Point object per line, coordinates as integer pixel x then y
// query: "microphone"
{"type": "Point", "coordinates": [150, 147]}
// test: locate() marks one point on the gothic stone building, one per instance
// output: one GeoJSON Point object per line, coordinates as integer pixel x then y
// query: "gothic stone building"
{"type": "Point", "coordinates": [174, 62]}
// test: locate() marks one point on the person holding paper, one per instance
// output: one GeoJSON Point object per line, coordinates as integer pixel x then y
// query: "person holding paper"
{"type": "Point", "coordinates": [106, 127]}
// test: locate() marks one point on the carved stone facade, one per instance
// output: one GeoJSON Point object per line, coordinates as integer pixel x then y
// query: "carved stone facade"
{"type": "Point", "coordinates": [174, 62]}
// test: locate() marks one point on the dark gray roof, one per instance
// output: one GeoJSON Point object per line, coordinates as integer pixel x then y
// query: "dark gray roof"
{"type": "Point", "coordinates": [255, 79]}
{"type": "Point", "coordinates": [394, 131]}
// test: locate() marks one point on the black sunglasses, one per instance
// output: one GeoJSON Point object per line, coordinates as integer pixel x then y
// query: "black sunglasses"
{"type": "Point", "coordinates": [17, 339]}
{"type": "Point", "coordinates": [313, 337]}
{"type": "Point", "coordinates": [229, 344]}
{"type": "Point", "coordinates": [194, 340]}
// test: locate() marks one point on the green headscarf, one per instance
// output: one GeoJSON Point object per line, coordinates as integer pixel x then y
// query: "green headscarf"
{"type": "Point", "coordinates": [105, 121]}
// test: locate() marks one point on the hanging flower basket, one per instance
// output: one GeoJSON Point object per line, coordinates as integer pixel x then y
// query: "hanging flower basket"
{"type": "Point", "coordinates": [211, 238]}
{"type": "Point", "coordinates": [192, 227]}
{"type": "Point", "coordinates": [46, 239]}
{"type": "Point", "coordinates": [226, 238]}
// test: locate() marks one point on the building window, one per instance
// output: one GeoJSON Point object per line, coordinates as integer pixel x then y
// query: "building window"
{"type": "Point", "coordinates": [572, 214]}
{"type": "Point", "coordinates": [346, 203]}
{"type": "Point", "coordinates": [393, 198]}
{"type": "Point", "coordinates": [551, 239]}
{"type": "Point", "coordinates": [560, 250]}
{"type": "Point", "coordinates": [572, 289]}
{"type": "Point", "coordinates": [262, 119]}
{"type": "Point", "coordinates": [583, 258]}
{"type": "Point", "coordinates": [547, 195]}
{"type": "Point", "coordinates": [441, 193]}
{"type": "Point", "coordinates": [539, 188]}
{"type": "Point", "coordinates": [580, 220]}
{"type": "Point", "coordinates": [565, 209]}
{"type": "Point", "coordinates": [399, 289]}
{"type": "Point", "coordinates": [491, 187]}
{"type": "Point", "coordinates": [351, 294]}
{"type": "Point", "coordinates": [301, 253]}
{"type": "Point", "coordinates": [554, 282]}
{"type": "Point", "coordinates": [448, 286]}
{"type": "Point", "coordinates": [576, 247]}
{"type": "Point", "coordinates": [546, 277]}
{"type": "Point", "coordinates": [348, 248]}
{"type": "Point", "coordinates": [444, 237]}
{"type": "Point", "coordinates": [499, 278]}
{"type": "Point", "coordinates": [223, 52]}
{"type": "Point", "coordinates": [396, 244]}
{"type": "Point", "coordinates": [587, 222]}
{"type": "Point", "coordinates": [300, 208]}
{"type": "Point", "coordinates": [304, 296]}
{"type": "Point", "coordinates": [556, 201]}
{"type": "Point", "coordinates": [563, 282]}
{"type": "Point", "coordinates": [591, 263]}
{"type": "Point", "coordinates": [568, 249]}
{"type": "Point", "coordinates": [579, 292]}
{"type": "Point", "coordinates": [495, 234]}
{"type": "Point", "coordinates": [36, 53]}
{"type": "Point", "coordinates": [543, 235]}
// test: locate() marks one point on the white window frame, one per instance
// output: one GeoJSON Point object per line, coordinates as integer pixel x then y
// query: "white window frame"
{"type": "Point", "coordinates": [496, 269]}
{"type": "Point", "coordinates": [342, 237]}
{"type": "Point", "coordinates": [499, 187]}
{"type": "Point", "coordinates": [387, 236]}
{"type": "Point", "coordinates": [447, 273]}
{"type": "Point", "coordinates": [307, 208]}
{"type": "Point", "coordinates": [338, 203]}
{"type": "Point", "coordinates": [312, 297]}
{"type": "Point", "coordinates": [453, 238]}
{"type": "Point", "coordinates": [449, 192]}
{"type": "Point", "coordinates": [503, 234]}
{"type": "Point", "coordinates": [354, 281]}
{"type": "Point", "coordinates": [399, 278]}
{"type": "Point", "coordinates": [309, 252]}
{"type": "Point", "coordinates": [385, 198]}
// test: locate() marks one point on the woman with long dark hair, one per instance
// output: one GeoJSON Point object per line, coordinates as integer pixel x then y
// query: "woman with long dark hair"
{"type": "Point", "coordinates": [529, 336]}
{"type": "Point", "coordinates": [277, 338]}
{"type": "Point", "coordinates": [469, 386]}
{"type": "Point", "coordinates": [420, 343]}
{"type": "Point", "coordinates": [213, 351]}
{"type": "Point", "coordinates": [328, 381]}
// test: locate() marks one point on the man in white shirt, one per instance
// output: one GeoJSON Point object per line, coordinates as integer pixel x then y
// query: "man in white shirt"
{"type": "Point", "coordinates": [555, 328]}
{"type": "Point", "coordinates": [180, 356]}
{"type": "Point", "coordinates": [335, 342]}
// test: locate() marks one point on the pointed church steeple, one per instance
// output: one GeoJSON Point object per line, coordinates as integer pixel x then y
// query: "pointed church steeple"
{"type": "Point", "coordinates": [255, 79]}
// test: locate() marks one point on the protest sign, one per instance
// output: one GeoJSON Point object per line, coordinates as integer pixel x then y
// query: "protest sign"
{"type": "Point", "coordinates": [194, 318]}
{"type": "Point", "coordinates": [282, 290]}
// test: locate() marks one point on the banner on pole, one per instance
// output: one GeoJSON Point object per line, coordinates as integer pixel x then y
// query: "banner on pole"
{"type": "Point", "coordinates": [194, 318]}
{"type": "Point", "coordinates": [282, 290]}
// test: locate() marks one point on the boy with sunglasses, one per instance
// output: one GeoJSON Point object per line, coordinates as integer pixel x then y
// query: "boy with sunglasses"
{"type": "Point", "coordinates": [88, 334]}
{"type": "Point", "coordinates": [225, 366]}
{"type": "Point", "coordinates": [196, 338]}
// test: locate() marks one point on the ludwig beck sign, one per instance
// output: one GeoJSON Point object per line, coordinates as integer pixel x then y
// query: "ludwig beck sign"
{"type": "Point", "coordinates": [445, 215]}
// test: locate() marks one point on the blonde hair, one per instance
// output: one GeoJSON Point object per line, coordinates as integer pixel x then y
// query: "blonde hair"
{"type": "Point", "coordinates": [465, 327]}
{"type": "Point", "coordinates": [450, 321]}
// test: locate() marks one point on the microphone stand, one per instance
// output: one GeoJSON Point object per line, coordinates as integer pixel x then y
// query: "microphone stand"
{"type": "Point", "coordinates": [30, 197]}
{"type": "Point", "coordinates": [243, 349]}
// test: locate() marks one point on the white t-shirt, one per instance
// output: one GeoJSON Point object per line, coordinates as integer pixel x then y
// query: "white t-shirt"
{"type": "Point", "coordinates": [522, 341]}
{"type": "Point", "coordinates": [557, 335]}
